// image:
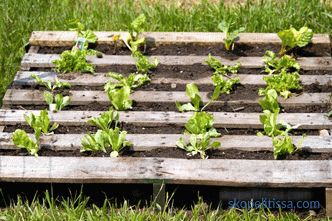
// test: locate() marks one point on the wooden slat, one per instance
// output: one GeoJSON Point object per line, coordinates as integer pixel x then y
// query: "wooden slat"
{"type": "Point", "coordinates": [328, 202]}
{"type": "Point", "coordinates": [61, 38]}
{"type": "Point", "coordinates": [45, 61]}
{"type": "Point", "coordinates": [146, 142]}
{"type": "Point", "coordinates": [161, 118]}
{"type": "Point", "coordinates": [244, 173]}
{"type": "Point", "coordinates": [23, 78]}
{"type": "Point", "coordinates": [35, 97]}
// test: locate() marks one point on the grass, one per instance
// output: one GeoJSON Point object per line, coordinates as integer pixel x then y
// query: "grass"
{"type": "Point", "coordinates": [79, 208]}
{"type": "Point", "coordinates": [20, 17]}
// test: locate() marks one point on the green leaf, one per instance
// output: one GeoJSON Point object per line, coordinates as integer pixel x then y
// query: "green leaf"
{"type": "Point", "coordinates": [61, 101]}
{"type": "Point", "coordinates": [292, 38]}
{"type": "Point", "coordinates": [120, 98]}
{"type": "Point", "coordinates": [48, 97]}
{"type": "Point", "coordinates": [270, 102]}
{"type": "Point", "coordinates": [95, 142]}
{"type": "Point", "coordinates": [106, 120]}
{"type": "Point", "coordinates": [137, 26]}
{"type": "Point", "coordinates": [231, 34]}
{"type": "Point", "coordinates": [275, 65]}
{"type": "Point", "coordinates": [282, 146]}
{"type": "Point", "coordinates": [199, 123]}
{"type": "Point", "coordinates": [22, 140]}
{"type": "Point", "coordinates": [143, 64]}
{"type": "Point", "coordinates": [40, 124]}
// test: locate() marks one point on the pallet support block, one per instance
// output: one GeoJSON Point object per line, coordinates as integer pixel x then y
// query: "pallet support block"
{"type": "Point", "coordinates": [328, 201]}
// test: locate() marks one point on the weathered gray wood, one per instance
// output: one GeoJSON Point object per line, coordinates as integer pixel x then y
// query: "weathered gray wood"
{"type": "Point", "coordinates": [33, 49]}
{"type": "Point", "coordinates": [245, 173]}
{"type": "Point", "coordinates": [45, 61]}
{"type": "Point", "coordinates": [161, 118]}
{"type": "Point", "coordinates": [328, 200]}
{"type": "Point", "coordinates": [61, 38]}
{"type": "Point", "coordinates": [23, 78]}
{"type": "Point", "coordinates": [28, 97]}
{"type": "Point", "coordinates": [146, 142]}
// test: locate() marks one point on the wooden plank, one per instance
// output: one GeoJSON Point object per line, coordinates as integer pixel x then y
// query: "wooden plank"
{"type": "Point", "coordinates": [61, 38]}
{"type": "Point", "coordinates": [161, 118]}
{"type": "Point", "coordinates": [23, 78]}
{"type": "Point", "coordinates": [35, 97]}
{"type": "Point", "coordinates": [236, 173]}
{"type": "Point", "coordinates": [45, 61]}
{"type": "Point", "coordinates": [33, 49]}
{"type": "Point", "coordinates": [146, 142]}
{"type": "Point", "coordinates": [328, 200]}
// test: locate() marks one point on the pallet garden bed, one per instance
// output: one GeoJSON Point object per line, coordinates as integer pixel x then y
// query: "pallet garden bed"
{"type": "Point", "coordinates": [154, 124]}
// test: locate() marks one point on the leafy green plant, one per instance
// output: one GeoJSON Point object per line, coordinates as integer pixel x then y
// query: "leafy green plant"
{"type": "Point", "coordinates": [143, 65]}
{"type": "Point", "coordinates": [73, 61]}
{"type": "Point", "coordinates": [106, 120]}
{"type": "Point", "coordinates": [274, 64]}
{"type": "Point", "coordinates": [88, 35]}
{"type": "Point", "coordinates": [58, 102]}
{"type": "Point", "coordinates": [131, 39]}
{"type": "Point", "coordinates": [119, 92]}
{"type": "Point", "coordinates": [22, 140]}
{"type": "Point", "coordinates": [49, 85]}
{"type": "Point", "coordinates": [282, 83]}
{"type": "Point", "coordinates": [201, 123]}
{"type": "Point", "coordinates": [231, 34]}
{"type": "Point", "coordinates": [41, 125]}
{"type": "Point", "coordinates": [193, 93]}
{"type": "Point", "coordinates": [219, 68]}
{"type": "Point", "coordinates": [198, 144]}
{"type": "Point", "coordinates": [292, 38]}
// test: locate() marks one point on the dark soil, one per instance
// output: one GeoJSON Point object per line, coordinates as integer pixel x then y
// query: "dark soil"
{"type": "Point", "coordinates": [196, 49]}
{"type": "Point", "coordinates": [179, 154]}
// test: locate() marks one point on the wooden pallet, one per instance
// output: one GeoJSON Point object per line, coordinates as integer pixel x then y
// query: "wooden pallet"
{"type": "Point", "coordinates": [235, 173]}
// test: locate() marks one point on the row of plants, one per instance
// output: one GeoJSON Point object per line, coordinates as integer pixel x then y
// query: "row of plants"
{"type": "Point", "coordinates": [283, 77]}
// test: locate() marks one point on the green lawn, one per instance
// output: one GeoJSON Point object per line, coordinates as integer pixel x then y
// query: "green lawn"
{"type": "Point", "coordinates": [18, 18]}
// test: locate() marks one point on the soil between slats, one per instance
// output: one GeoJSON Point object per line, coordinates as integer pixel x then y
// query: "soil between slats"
{"type": "Point", "coordinates": [178, 153]}
{"type": "Point", "coordinates": [240, 49]}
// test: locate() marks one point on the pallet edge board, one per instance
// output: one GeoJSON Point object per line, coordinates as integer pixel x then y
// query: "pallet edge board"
{"type": "Point", "coordinates": [45, 61]}
{"type": "Point", "coordinates": [35, 97]}
{"type": "Point", "coordinates": [67, 38]}
{"type": "Point", "coordinates": [162, 118]}
{"type": "Point", "coordinates": [23, 78]}
{"type": "Point", "coordinates": [146, 142]}
{"type": "Point", "coordinates": [268, 173]}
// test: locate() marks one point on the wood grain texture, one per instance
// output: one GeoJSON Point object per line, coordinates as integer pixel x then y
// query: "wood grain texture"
{"type": "Point", "coordinates": [162, 118]}
{"type": "Point", "coordinates": [35, 97]}
{"type": "Point", "coordinates": [328, 202]}
{"type": "Point", "coordinates": [23, 78]}
{"type": "Point", "coordinates": [62, 38]}
{"type": "Point", "coordinates": [146, 142]}
{"type": "Point", "coordinates": [45, 61]}
{"type": "Point", "coordinates": [242, 173]}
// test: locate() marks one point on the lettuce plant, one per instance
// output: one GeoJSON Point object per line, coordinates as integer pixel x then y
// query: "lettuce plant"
{"type": "Point", "coordinates": [73, 61]}
{"type": "Point", "coordinates": [231, 34]}
{"type": "Point", "coordinates": [41, 125]}
{"type": "Point", "coordinates": [56, 102]}
{"type": "Point", "coordinates": [219, 68]}
{"type": "Point", "coordinates": [119, 92]}
{"type": "Point", "coordinates": [274, 64]}
{"type": "Point", "coordinates": [292, 38]}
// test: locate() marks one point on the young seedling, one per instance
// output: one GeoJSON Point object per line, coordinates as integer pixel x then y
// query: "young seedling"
{"type": "Point", "coordinates": [106, 120]}
{"type": "Point", "coordinates": [274, 64]}
{"type": "Point", "coordinates": [219, 68]}
{"type": "Point", "coordinates": [41, 125]}
{"type": "Point", "coordinates": [73, 61]}
{"type": "Point", "coordinates": [282, 83]}
{"type": "Point", "coordinates": [143, 65]}
{"type": "Point", "coordinates": [193, 93]}
{"type": "Point", "coordinates": [56, 102]}
{"type": "Point", "coordinates": [278, 131]}
{"type": "Point", "coordinates": [198, 144]}
{"type": "Point", "coordinates": [23, 141]}
{"type": "Point", "coordinates": [131, 39]}
{"type": "Point", "coordinates": [230, 35]}
{"type": "Point", "coordinates": [88, 35]}
{"type": "Point", "coordinates": [119, 92]}
{"type": "Point", "coordinates": [108, 138]}
{"type": "Point", "coordinates": [292, 38]}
